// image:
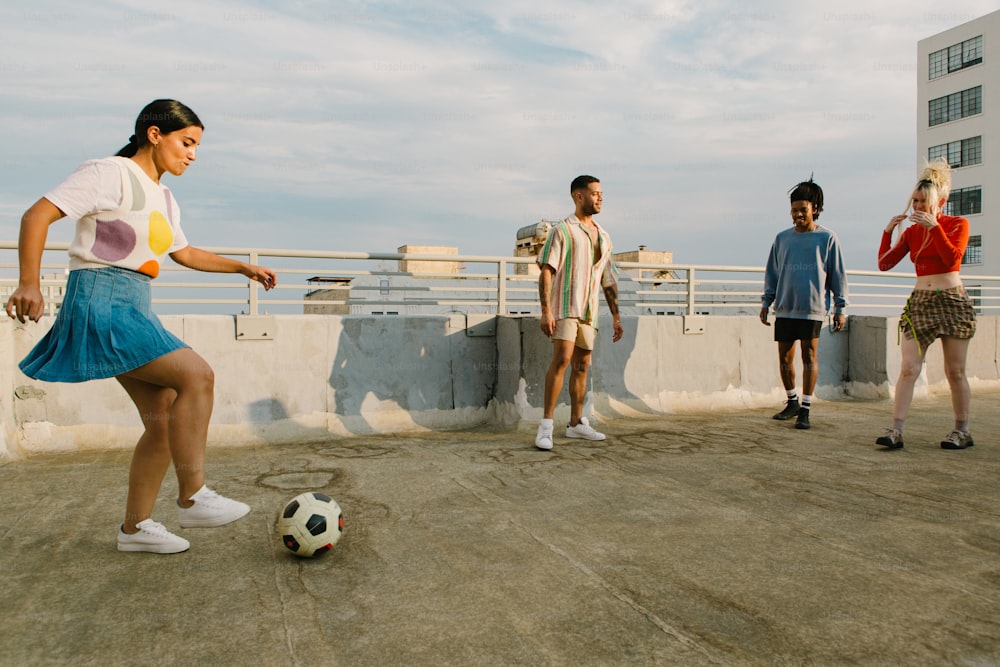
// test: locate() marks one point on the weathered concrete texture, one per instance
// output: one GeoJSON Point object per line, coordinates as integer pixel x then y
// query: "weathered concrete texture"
{"type": "Point", "coordinates": [315, 376]}
{"type": "Point", "coordinates": [869, 364]}
{"type": "Point", "coordinates": [318, 376]}
{"type": "Point", "coordinates": [721, 538]}
{"type": "Point", "coordinates": [657, 368]}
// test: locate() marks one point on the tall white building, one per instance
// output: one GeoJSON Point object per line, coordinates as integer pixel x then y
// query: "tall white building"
{"type": "Point", "coordinates": [958, 118]}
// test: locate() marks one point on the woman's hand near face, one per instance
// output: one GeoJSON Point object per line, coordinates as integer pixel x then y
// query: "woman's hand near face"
{"type": "Point", "coordinates": [924, 219]}
{"type": "Point", "coordinates": [895, 222]}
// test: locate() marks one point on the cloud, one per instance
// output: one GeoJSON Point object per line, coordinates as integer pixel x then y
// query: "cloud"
{"type": "Point", "coordinates": [369, 125]}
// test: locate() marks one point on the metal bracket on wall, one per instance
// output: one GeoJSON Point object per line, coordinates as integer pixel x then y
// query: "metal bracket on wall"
{"type": "Point", "coordinates": [255, 327]}
{"type": "Point", "coordinates": [694, 324]}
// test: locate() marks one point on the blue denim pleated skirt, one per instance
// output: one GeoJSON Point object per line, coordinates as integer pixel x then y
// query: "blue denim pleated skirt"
{"type": "Point", "coordinates": [104, 328]}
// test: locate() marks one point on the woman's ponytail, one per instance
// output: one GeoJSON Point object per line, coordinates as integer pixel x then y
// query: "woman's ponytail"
{"type": "Point", "coordinates": [129, 149]}
{"type": "Point", "coordinates": [167, 115]}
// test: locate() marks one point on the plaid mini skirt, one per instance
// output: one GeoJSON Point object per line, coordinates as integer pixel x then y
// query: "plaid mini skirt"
{"type": "Point", "coordinates": [105, 327]}
{"type": "Point", "coordinates": [932, 313]}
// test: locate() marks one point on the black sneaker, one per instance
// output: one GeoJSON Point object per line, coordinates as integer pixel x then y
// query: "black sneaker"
{"type": "Point", "coordinates": [802, 420]}
{"type": "Point", "coordinates": [891, 438]}
{"type": "Point", "coordinates": [957, 440]}
{"type": "Point", "coordinates": [791, 410]}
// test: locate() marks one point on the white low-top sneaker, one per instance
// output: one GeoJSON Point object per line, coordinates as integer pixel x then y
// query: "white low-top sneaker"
{"type": "Point", "coordinates": [583, 430]}
{"type": "Point", "coordinates": [543, 439]}
{"type": "Point", "coordinates": [152, 537]}
{"type": "Point", "coordinates": [210, 510]}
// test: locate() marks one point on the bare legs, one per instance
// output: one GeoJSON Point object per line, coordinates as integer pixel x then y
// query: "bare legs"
{"type": "Point", "coordinates": [566, 354]}
{"type": "Point", "coordinates": [174, 395]}
{"type": "Point", "coordinates": [810, 367]}
{"type": "Point", "coordinates": [956, 351]}
{"type": "Point", "coordinates": [909, 370]}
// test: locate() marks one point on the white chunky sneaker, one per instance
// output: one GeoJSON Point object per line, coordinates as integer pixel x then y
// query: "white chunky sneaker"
{"type": "Point", "coordinates": [152, 537]}
{"type": "Point", "coordinates": [583, 430]}
{"type": "Point", "coordinates": [543, 439]}
{"type": "Point", "coordinates": [210, 510]}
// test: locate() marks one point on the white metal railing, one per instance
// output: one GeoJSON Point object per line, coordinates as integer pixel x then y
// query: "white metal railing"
{"type": "Point", "coordinates": [502, 285]}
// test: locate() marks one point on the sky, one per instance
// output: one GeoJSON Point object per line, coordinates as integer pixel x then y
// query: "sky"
{"type": "Point", "coordinates": [365, 126]}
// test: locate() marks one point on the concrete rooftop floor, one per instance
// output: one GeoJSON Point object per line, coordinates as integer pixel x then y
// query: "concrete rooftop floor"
{"type": "Point", "coordinates": [693, 539]}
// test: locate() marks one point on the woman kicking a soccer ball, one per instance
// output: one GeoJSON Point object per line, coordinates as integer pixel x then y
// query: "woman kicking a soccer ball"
{"type": "Point", "coordinates": [127, 221]}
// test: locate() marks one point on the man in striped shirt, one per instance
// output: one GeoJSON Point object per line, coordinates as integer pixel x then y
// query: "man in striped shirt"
{"type": "Point", "coordinates": [575, 267]}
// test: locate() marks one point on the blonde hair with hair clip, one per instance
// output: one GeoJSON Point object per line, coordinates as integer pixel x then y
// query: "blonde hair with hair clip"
{"type": "Point", "coordinates": [935, 183]}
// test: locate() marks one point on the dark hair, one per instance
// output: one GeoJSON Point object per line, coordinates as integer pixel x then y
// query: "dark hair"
{"type": "Point", "coordinates": [582, 182]}
{"type": "Point", "coordinates": [168, 115]}
{"type": "Point", "coordinates": [810, 192]}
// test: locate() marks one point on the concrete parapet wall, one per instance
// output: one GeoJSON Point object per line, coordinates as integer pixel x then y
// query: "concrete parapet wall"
{"type": "Point", "coordinates": [657, 368]}
{"type": "Point", "coordinates": [317, 375]}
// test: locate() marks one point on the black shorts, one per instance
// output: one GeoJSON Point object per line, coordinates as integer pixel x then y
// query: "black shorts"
{"type": "Point", "coordinates": [788, 330]}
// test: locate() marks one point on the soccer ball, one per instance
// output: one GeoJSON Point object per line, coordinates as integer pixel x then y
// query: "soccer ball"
{"type": "Point", "coordinates": [310, 524]}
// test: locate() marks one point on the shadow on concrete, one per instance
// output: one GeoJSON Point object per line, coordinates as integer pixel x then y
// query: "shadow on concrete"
{"type": "Point", "coordinates": [402, 372]}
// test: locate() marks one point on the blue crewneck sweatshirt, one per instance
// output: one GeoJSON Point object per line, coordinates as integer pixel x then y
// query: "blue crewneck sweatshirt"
{"type": "Point", "coordinates": [804, 270]}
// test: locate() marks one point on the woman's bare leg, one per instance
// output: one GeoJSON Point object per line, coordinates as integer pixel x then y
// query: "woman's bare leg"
{"type": "Point", "coordinates": [174, 395]}
{"type": "Point", "coordinates": [911, 365]}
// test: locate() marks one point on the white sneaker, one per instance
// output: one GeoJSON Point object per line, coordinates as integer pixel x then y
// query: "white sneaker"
{"type": "Point", "coordinates": [152, 537]}
{"type": "Point", "coordinates": [210, 510]}
{"type": "Point", "coordinates": [583, 430]}
{"type": "Point", "coordinates": [543, 439]}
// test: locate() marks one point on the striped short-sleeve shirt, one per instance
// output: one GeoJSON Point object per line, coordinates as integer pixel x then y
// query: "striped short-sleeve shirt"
{"type": "Point", "coordinates": [576, 286]}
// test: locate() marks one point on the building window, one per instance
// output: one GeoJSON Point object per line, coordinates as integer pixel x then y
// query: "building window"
{"type": "Point", "coordinates": [962, 153]}
{"type": "Point", "coordinates": [965, 201]}
{"type": "Point", "coordinates": [957, 105]}
{"type": "Point", "coordinates": [956, 57]}
{"type": "Point", "coordinates": [973, 251]}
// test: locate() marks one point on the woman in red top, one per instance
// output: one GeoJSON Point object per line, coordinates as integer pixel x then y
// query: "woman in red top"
{"type": "Point", "coordinates": [939, 306]}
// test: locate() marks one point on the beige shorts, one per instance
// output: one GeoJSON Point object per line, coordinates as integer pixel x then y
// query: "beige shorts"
{"type": "Point", "coordinates": [582, 334]}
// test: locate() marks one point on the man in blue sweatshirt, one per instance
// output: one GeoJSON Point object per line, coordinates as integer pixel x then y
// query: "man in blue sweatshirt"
{"type": "Point", "coordinates": [804, 269]}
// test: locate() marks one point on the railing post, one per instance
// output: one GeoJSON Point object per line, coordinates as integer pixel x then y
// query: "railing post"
{"type": "Point", "coordinates": [690, 291]}
{"type": "Point", "coordinates": [501, 287]}
{"type": "Point", "coordinates": [252, 301]}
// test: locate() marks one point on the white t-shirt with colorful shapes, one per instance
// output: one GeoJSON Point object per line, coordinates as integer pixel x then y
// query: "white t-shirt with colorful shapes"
{"type": "Point", "coordinates": [124, 218]}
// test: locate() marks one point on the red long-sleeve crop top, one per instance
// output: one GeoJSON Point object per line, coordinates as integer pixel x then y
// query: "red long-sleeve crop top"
{"type": "Point", "coordinates": [936, 250]}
